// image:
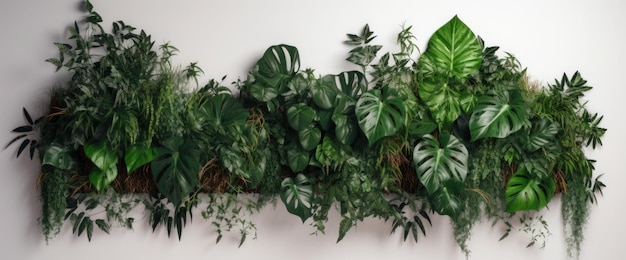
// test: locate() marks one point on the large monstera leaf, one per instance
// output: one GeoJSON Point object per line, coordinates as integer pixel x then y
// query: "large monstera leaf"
{"type": "Point", "coordinates": [274, 70]}
{"type": "Point", "coordinates": [297, 195]}
{"type": "Point", "coordinates": [300, 116]}
{"type": "Point", "coordinates": [527, 192]}
{"type": "Point", "coordinates": [379, 117]}
{"type": "Point", "coordinates": [541, 133]}
{"type": "Point", "coordinates": [498, 114]}
{"type": "Point", "coordinates": [445, 200]}
{"type": "Point", "coordinates": [453, 48]}
{"type": "Point", "coordinates": [223, 111]}
{"type": "Point", "coordinates": [440, 161]}
{"type": "Point", "coordinates": [175, 171]}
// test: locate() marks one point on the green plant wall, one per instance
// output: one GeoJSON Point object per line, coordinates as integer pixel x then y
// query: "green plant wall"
{"type": "Point", "coordinates": [401, 137]}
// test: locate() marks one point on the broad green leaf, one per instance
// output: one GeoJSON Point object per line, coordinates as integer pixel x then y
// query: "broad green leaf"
{"type": "Point", "coordinates": [498, 115]}
{"type": "Point", "coordinates": [58, 156]}
{"type": "Point", "coordinates": [298, 159]}
{"type": "Point", "coordinates": [523, 192]}
{"type": "Point", "coordinates": [300, 116]}
{"type": "Point", "coordinates": [297, 195]}
{"type": "Point", "coordinates": [263, 92]}
{"type": "Point", "coordinates": [175, 171]}
{"type": "Point", "coordinates": [346, 128]}
{"type": "Point", "coordinates": [454, 48]}
{"type": "Point", "coordinates": [138, 155]}
{"type": "Point", "coordinates": [440, 161]}
{"type": "Point", "coordinates": [445, 200]}
{"type": "Point", "coordinates": [101, 178]}
{"type": "Point", "coordinates": [442, 100]}
{"type": "Point", "coordinates": [324, 92]}
{"type": "Point", "coordinates": [363, 55]}
{"type": "Point", "coordinates": [379, 118]}
{"type": "Point", "coordinates": [101, 155]}
{"type": "Point", "coordinates": [310, 137]}
{"type": "Point", "coordinates": [224, 111]}
{"type": "Point", "coordinates": [542, 132]}
{"type": "Point", "coordinates": [278, 65]}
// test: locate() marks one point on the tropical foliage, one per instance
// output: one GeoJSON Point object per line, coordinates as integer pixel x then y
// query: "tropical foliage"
{"type": "Point", "coordinates": [455, 130]}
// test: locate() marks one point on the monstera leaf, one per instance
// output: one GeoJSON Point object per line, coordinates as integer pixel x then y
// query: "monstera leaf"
{"type": "Point", "coordinates": [300, 116]}
{"type": "Point", "coordinates": [542, 133]}
{"type": "Point", "coordinates": [442, 100]}
{"type": "Point", "coordinates": [445, 200]}
{"type": "Point", "coordinates": [379, 117]}
{"type": "Point", "coordinates": [223, 111]}
{"type": "Point", "coordinates": [453, 48]}
{"type": "Point", "coordinates": [525, 192]}
{"type": "Point", "coordinates": [175, 171]}
{"type": "Point", "coordinates": [440, 161]}
{"type": "Point", "coordinates": [274, 70]}
{"type": "Point", "coordinates": [346, 128]}
{"type": "Point", "coordinates": [57, 156]}
{"type": "Point", "coordinates": [498, 115]}
{"type": "Point", "coordinates": [297, 195]}
{"type": "Point", "coordinates": [105, 160]}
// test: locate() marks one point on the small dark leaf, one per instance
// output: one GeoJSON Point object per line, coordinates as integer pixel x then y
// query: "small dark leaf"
{"type": "Point", "coordinates": [22, 147]}
{"type": "Point", "coordinates": [23, 129]}
{"type": "Point", "coordinates": [15, 139]}
{"type": "Point", "coordinates": [103, 225]}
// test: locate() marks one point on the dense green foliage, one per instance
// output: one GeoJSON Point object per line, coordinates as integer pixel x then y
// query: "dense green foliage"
{"type": "Point", "coordinates": [455, 130]}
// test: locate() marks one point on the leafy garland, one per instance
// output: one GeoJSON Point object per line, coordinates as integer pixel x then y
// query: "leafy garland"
{"type": "Point", "coordinates": [406, 136]}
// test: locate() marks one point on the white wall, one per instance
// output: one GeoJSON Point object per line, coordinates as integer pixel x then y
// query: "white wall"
{"type": "Point", "coordinates": [226, 37]}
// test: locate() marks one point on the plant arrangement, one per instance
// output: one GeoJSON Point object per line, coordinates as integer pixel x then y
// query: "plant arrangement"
{"type": "Point", "coordinates": [455, 130]}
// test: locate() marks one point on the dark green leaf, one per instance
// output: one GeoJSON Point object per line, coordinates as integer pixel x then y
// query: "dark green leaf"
{"type": "Point", "coordinates": [300, 116]}
{"type": "Point", "coordinates": [297, 196]}
{"type": "Point", "coordinates": [103, 225]}
{"type": "Point", "coordinates": [524, 192]}
{"type": "Point", "coordinates": [57, 156]}
{"type": "Point", "coordinates": [23, 129]}
{"type": "Point", "coordinates": [297, 159]}
{"type": "Point", "coordinates": [498, 115]}
{"type": "Point", "coordinates": [175, 171]}
{"type": "Point", "coordinates": [379, 117]}
{"type": "Point", "coordinates": [344, 227]}
{"type": "Point", "coordinates": [310, 137]}
{"type": "Point", "coordinates": [101, 155]}
{"type": "Point", "coordinates": [137, 155]}
{"type": "Point", "coordinates": [439, 161]}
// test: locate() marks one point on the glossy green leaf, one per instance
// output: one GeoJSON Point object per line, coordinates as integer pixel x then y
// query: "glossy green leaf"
{"type": "Point", "coordinates": [300, 116]}
{"type": "Point", "coordinates": [324, 92]}
{"type": "Point", "coordinates": [175, 171]}
{"type": "Point", "coordinates": [101, 178]}
{"type": "Point", "coordinates": [346, 128]}
{"type": "Point", "coordinates": [58, 156]}
{"type": "Point", "coordinates": [310, 137]}
{"type": "Point", "coordinates": [454, 48]}
{"type": "Point", "coordinates": [498, 115]}
{"type": "Point", "coordinates": [297, 195]}
{"type": "Point", "coordinates": [526, 192]}
{"type": "Point", "coordinates": [440, 161]}
{"type": "Point", "coordinates": [542, 133]}
{"type": "Point", "coordinates": [442, 100]}
{"type": "Point", "coordinates": [223, 111]}
{"type": "Point", "coordinates": [379, 117]}
{"type": "Point", "coordinates": [263, 92]}
{"type": "Point", "coordinates": [297, 159]}
{"type": "Point", "coordinates": [278, 65]}
{"type": "Point", "coordinates": [138, 155]}
{"type": "Point", "coordinates": [101, 155]}
{"type": "Point", "coordinates": [445, 200]}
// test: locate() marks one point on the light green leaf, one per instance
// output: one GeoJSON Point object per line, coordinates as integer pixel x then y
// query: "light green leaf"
{"type": "Point", "coordinates": [442, 100]}
{"type": "Point", "coordinates": [138, 155]}
{"type": "Point", "coordinates": [101, 155]}
{"type": "Point", "coordinates": [453, 48]}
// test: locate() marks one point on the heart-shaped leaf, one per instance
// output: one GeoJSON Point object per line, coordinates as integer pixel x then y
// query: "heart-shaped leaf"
{"type": "Point", "coordinates": [278, 65]}
{"type": "Point", "coordinates": [138, 155]}
{"type": "Point", "coordinates": [379, 117]}
{"type": "Point", "coordinates": [101, 155]}
{"type": "Point", "coordinates": [298, 159]}
{"type": "Point", "coordinates": [440, 161]}
{"type": "Point", "coordinates": [324, 92]}
{"type": "Point", "coordinates": [310, 137]}
{"type": "Point", "coordinates": [175, 171]}
{"type": "Point", "coordinates": [223, 111]}
{"type": "Point", "coordinates": [300, 116]}
{"type": "Point", "coordinates": [526, 192]}
{"type": "Point", "coordinates": [297, 195]}
{"type": "Point", "coordinates": [346, 128]}
{"type": "Point", "coordinates": [442, 100]}
{"type": "Point", "coordinates": [445, 200]}
{"type": "Point", "coordinates": [453, 48]}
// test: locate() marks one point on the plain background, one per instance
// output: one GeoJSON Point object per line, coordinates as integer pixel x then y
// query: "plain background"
{"type": "Point", "coordinates": [227, 37]}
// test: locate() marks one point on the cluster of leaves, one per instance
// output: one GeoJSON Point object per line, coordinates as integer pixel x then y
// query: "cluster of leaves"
{"type": "Point", "coordinates": [455, 130]}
